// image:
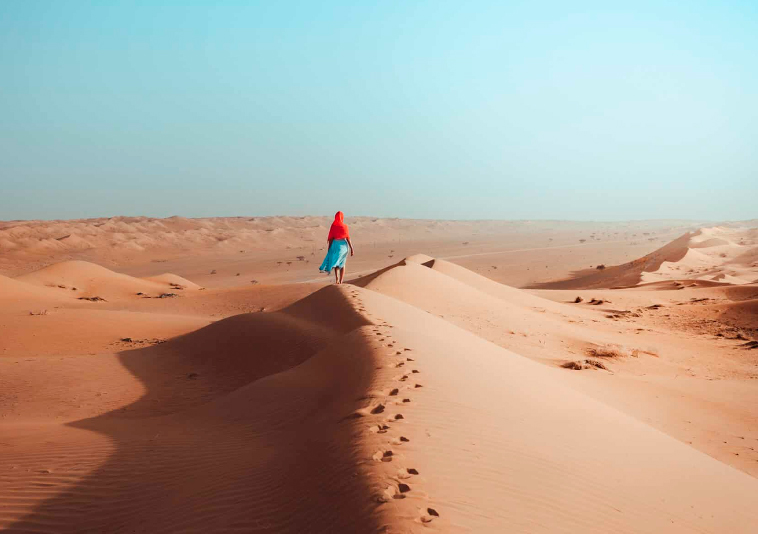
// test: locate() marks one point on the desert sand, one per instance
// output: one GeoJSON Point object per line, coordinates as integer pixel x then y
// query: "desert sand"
{"type": "Point", "coordinates": [199, 375]}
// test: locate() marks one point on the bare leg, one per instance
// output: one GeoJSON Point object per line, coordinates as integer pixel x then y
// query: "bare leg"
{"type": "Point", "coordinates": [336, 275]}
{"type": "Point", "coordinates": [342, 274]}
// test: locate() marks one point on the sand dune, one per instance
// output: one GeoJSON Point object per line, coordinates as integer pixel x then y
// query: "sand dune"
{"type": "Point", "coordinates": [243, 451]}
{"type": "Point", "coordinates": [450, 272]}
{"type": "Point", "coordinates": [390, 405]}
{"type": "Point", "coordinates": [514, 319]}
{"type": "Point", "coordinates": [477, 281]}
{"type": "Point", "coordinates": [631, 335]}
{"type": "Point", "coordinates": [91, 280]}
{"type": "Point", "coordinates": [744, 313]}
{"type": "Point", "coordinates": [173, 281]}
{"type": "Point", "coordinates": [502, 447]}
{"type": "Point", "coordinates": [720, 254]}
{"type": "Point", "coordinates": [14, 292]}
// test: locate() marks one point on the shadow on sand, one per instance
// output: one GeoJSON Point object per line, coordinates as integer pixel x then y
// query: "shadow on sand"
{"type": "Point", "coordinates": [242, 428]}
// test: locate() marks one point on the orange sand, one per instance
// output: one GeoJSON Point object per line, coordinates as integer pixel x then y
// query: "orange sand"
{"type": "Point", "coordinates": [425, 394]}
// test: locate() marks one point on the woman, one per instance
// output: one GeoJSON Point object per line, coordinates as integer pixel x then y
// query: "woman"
{"type": "Point", "coordinates": [336, 252]}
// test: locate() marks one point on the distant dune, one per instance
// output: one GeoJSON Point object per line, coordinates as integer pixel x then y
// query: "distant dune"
{"type": "Point", "coordinates": [88, 280]}
{"type": "Point", "coordinates": [719, 254]}
{"type": "Point", "coordinates": [124, 240]}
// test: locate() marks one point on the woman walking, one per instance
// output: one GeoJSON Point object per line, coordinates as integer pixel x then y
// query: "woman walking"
{"type": "Point", "coordinates": [336, 252]}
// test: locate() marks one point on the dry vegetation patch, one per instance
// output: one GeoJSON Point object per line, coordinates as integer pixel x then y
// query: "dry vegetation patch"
{"type": "Point", "coordinates": [611, 350]}
{"type": "Point", "coordinates": [584, 364]}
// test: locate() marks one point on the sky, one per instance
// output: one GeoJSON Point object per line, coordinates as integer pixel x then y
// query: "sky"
{"type": "Point", "coordinates": [420, 109]}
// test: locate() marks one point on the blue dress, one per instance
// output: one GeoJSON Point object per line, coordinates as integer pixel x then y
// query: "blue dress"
{"type": "Point", "coordinates": [335, 256]}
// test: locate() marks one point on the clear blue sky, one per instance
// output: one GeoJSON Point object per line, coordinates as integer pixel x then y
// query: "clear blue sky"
{"type": "Point", "coordinates": [436, 109]}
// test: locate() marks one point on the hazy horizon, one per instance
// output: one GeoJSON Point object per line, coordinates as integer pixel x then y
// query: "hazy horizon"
{"type": "Point", "coordinates": [423, 110]}
{"type": "Point", "coordinates": [362, 216]}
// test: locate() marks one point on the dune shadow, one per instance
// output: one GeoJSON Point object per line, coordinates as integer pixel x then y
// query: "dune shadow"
{"type": "Point", "coordinates": [241, 427]}
{"type": "Point", "coordinates": [620, 276]}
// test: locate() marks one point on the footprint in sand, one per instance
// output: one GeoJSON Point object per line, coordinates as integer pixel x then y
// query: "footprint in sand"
{"type": "Point", "coordinates": [400, 440]}
{"type": "Point", "coordinates": [404, 378]}
{"type": "Point", "coordinates": [392, 493]}
{"type": "Point", "coordinates": [400, 364]}
{"type": "Point", "coordinates": [394, 392]}
{"type": "Point", "coordinates": [382, 429]}
{"type": "Point", "coordinates": [382, 456]}
{"type": "Point", "coordinates": [400, 491]}
{"type": "Point", "coordinates": [406, 400]}
{"type": "Point", "coordinates": [415, 371]}
{"type": "Point", "coordinates": [418, 386]}
{"type": "Point", "coordinates": [379, 408]}
{"type": "Point", "coordinates": [399, 416]}
{"type": "Point", "coordinates": [407, 349]}
{"type": "Point", "coordinates": [404, 473]}
{"type": "Point", "coordinates": [410, 360]}
{"type": "Point", "coordinates": [430, 514]}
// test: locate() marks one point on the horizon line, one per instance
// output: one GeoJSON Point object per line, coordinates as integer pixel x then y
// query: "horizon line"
{"type": "Point", "coordinates": [83, 219]}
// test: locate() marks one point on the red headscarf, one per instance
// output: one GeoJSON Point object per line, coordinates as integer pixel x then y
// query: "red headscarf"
{"type": "Point", "coordinates": [339, 228]}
